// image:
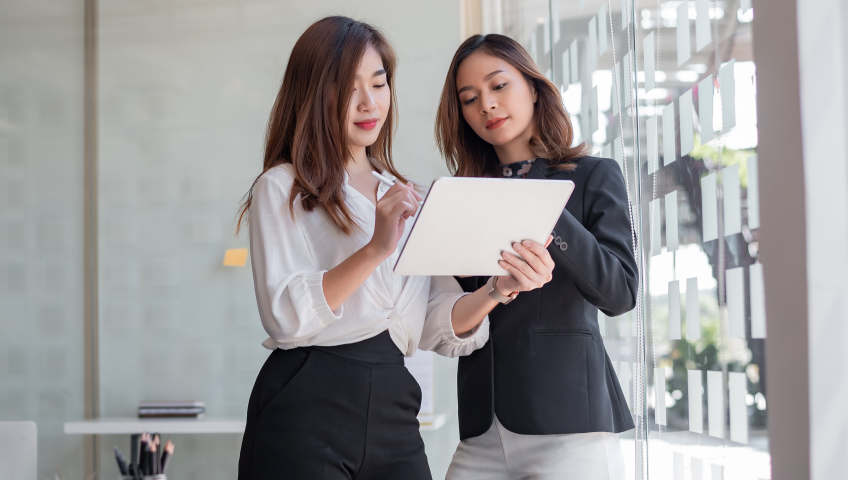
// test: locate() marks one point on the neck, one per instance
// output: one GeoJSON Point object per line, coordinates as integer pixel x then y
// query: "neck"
{"type": "Point", "coordinates": [358, 161]}
{"type": "Point", "coordinates": [516, 150]}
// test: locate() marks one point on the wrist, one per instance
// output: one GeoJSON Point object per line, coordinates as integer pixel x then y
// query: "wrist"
{"type": "Point", "coordinates": [495, 294]}
{"type": "Point", "coordinates": [374, 252]}
{"type": "Point", "coordinates": [500, 289]}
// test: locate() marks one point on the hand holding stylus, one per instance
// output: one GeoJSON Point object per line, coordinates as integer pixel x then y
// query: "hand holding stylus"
{"type": "Point", "coordinates": [398, 204]}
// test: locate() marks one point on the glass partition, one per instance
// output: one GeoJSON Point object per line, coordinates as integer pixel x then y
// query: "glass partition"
{"type": "Point", "coordinates": [668, 91]}
{"type": "Point", "coordinates": [705, 297]}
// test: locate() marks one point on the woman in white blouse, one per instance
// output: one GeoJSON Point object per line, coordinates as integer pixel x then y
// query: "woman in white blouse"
{"type": "Point", "coordinates": [334, 400]}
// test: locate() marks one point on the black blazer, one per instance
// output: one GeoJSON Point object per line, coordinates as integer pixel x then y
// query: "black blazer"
{"type": "Point", "coordinates": [544, 369]}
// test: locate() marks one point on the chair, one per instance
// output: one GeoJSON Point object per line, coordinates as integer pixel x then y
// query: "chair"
{"type": "Point", "coordinates": [18, 451]}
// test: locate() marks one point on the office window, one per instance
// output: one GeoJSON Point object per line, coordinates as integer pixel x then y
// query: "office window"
{"type": "Point", "coordinates": [669, 92]}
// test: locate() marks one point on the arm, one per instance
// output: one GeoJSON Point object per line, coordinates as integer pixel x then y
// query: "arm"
{"type": "Point", "coordinates": [287, 279]}
{"type": "Point", "coordinates": [396, 206]}
{"type": "Point", "coordinates": [438, 333]}
{"type": "Point", "coordinates": [296, 298]}
{"type": "Point", "coordinates": [524, 275]}
{"type": "Point", "coordinates": [457, 322]}
{"type": "Point", "coordinates": [599, 253]}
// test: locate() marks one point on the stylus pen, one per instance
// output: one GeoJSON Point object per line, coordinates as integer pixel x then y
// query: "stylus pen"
{"type": "Point", "coordinates": [385, 181]}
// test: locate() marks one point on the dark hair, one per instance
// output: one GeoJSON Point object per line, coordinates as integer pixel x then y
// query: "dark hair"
{"type": "Point", "coordinates": [307, 125]}
{"type": "Point", "coordinates": [467, 154]}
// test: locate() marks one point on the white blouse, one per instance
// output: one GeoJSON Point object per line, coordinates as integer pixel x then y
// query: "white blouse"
{"type": "Point", "coordinates": [289, 259]}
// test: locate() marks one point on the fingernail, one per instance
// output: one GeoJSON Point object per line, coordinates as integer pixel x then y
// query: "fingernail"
{"type": "Point", "coordinates": [501, 262]}
{"type": "Point", "coordinates": [505, 255]}
{"type": "Point", "coordinates": [516, 246]}
{"type": "Point", "coordinates": [527, 243]}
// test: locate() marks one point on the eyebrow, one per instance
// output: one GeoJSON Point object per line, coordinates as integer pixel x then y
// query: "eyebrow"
{"type": "Point", "coordinates": [485, 79]}
{"type": "Point", "coordinates": [379, 72]}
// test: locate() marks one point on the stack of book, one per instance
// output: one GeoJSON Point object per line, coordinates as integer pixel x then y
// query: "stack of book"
{"type": "Point", "coordinates": [187, 409]}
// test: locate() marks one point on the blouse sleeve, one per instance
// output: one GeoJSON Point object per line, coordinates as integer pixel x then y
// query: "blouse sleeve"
{"type": "Point", "coordinates": [286, 277]}
{"type": "Point", "coordinates": [438, 334]}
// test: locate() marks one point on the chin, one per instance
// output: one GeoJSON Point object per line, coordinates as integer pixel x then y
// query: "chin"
{"type": "Point", "coordinates": [363, 140]}
{"type": "Point", "coordinates": [497, 138]}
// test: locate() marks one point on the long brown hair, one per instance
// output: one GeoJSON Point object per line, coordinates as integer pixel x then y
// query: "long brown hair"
{"type": "Point", "coordinates": [468, 155]}
{"type": "Point", "coordinates": [308, 123]}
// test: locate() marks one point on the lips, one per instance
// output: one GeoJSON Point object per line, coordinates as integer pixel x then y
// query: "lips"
{"type": "Point", "coordinates": [495, 123]}
{"type": "Point", "coordinates": [367, 124]}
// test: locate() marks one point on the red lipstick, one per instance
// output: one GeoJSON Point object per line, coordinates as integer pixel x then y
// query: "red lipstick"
{"type": "Point", "coordinates": [495, 123]}
{"type": "Point", "coordinates": [367, 124]}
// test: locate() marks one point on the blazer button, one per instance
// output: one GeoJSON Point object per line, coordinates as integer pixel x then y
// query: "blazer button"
{"type": "Point", "coordinates": [557, 240]}
{"type": "Point", "coordinates": [563, 246]}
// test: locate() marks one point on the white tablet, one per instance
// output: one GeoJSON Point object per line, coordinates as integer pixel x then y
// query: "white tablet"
{"type": "Point", "coordinates": [466, 223]}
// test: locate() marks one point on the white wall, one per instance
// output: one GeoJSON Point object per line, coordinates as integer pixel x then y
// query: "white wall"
{"type": "Point", "coordinates": [41, 225]}
{"type": "Point", "coordinates": [823, 54]}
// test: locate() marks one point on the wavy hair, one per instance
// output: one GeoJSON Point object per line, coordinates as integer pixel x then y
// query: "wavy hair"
{"type": "Point", "coordinates": [468, 155]}
{"type": "Point", "coordinates": [307, 125]}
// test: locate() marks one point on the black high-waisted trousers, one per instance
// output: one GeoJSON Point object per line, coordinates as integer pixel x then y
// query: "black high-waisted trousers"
{"type": "Point", "coordinates": [344, 412]}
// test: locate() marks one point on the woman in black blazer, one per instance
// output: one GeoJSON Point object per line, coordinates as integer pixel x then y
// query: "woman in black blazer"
{"type": "Point", "coordinates": [540, 399]}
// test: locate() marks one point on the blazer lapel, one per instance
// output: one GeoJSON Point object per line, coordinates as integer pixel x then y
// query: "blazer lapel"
{"type": "Point", "coordinates": [539, 169]}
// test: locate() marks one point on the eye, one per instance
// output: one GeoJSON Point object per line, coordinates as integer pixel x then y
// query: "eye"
{"type": "Point", "coordinates": [469, 101]}
{"type": "Point", "coordinates": [500, 86]}
{"type": "Point", "coordinates": [380, 85]}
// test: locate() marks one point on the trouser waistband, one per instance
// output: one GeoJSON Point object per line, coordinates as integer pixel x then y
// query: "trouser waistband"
{"type": "Point", "coordinates": [378, 349]}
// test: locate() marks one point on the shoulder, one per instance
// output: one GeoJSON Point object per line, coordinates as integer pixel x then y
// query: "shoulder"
{"type": "Point", "coordinates": [588, 166]}
{"type": "Point", "coordinates": [279, 177]}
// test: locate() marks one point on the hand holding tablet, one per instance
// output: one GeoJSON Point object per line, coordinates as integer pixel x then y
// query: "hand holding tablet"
{"type": "Point", "coordinates": [466, 224]}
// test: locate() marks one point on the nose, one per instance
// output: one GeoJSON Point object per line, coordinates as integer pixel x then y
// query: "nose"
{"type": "Point", "coordinates": [366, 100]}
{"type": "Point", "coordinates": [488, 104]}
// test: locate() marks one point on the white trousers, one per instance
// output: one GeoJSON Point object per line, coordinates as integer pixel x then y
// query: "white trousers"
{"type": "Point", "coordinates": [500, 454]}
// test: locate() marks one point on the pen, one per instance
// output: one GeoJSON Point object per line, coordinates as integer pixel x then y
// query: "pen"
{"type": "Point", "coordinates": [134, 441]}
{"type": "Point", "coordinates": [122, 463]}
{"type": "Point", "coordinates": [154, 458]}
{"type": "Point", "coordinates": [169, 450]}
{"type": "Point", "coordinates": [389, 183]}
{"type": "Point", "coordinates": [385, 181]}
{"type": "Point", "coordinates": [157, 458]}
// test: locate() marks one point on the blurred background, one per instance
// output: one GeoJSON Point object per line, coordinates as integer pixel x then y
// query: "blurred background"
{"type": "Point", "coordinates": [130, 130]}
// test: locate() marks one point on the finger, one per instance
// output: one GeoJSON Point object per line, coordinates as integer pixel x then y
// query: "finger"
{"type": "Point", "coordinates": [522, 267]}
{"type": "Point", "coordinates": [401, 193]}
{"type": "Point", "coordinates": [414, 201]}
{"type": "Point", "coordinates": [530, 256]}
{"type": "Point", "coordinates": [409, 207]}
{"type": "Point", "coordinates": [516, 274]}
{"type": "Point", "coordinates": [541, 252]}
{"type": "Point", "coordinates": [535, 270]}
{"type": "Point", "coordinates": [550, 239]}
{"type": "Point", "coordinates": [399, 207]}
{"type": "Point", "coordinates": [397, 187]}
{"type": "Point", "coordinates": [411, 186]}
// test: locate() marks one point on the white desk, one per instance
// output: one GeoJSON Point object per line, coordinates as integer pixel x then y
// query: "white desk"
{"type": "Point", "coordinates": [124, 426]}
{"type": "Point", "coordinates": [130, 425]}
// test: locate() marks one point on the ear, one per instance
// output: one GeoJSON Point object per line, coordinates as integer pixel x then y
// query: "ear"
{"type": "Point", "coordinates": [535, 94]}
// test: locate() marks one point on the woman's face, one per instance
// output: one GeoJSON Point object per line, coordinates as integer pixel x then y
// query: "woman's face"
{"type": "Point", "coordinates": [496, 100]}
{"type": "Point", "coordinates": [369, 103]}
